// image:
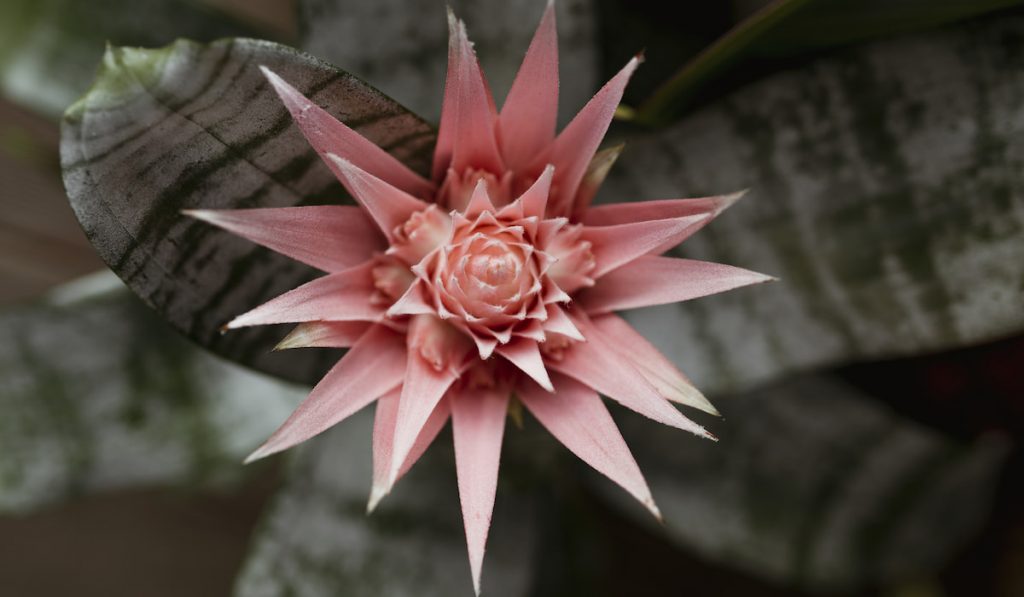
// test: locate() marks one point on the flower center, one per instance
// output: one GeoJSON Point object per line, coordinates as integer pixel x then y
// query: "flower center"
{"type": "Point", "coordinates": [491, 272]}
{"type": "Point", "coordinates": [494, 267]}
{"type": "Point", "coordinates": [488, 275]}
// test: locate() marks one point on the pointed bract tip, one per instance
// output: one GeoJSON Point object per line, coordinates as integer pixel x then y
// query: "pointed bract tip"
{"type": "Point", "coordinates": [727, 201]}
{"type": "Point", "coordinates": [268, 73]}
{"type": "Point", "coordinates": [203, 215]}
{"type": "Point", "coordinates": [258, 454]}
{"type": "Point", "coordinates": [288, 342]}
{"type": "Point", "coordinates": [456, 28]}
{"type": "Point", "coordinates": [654, 510]}
{"type": "Point", "coordinates": [691, 396]}
{"type": "Point", "coordinates": [631, 66]}
{"type": "Point", "coordinates": [392, 476]}
{"type": "Point", "coordinates": [549, 12]}
{"type": "Point", "coordinates": [377, 493]}
{"type": "Point", "coordinates": [231, 325]}
{"type": "Point", "coordinates": [281, 87]}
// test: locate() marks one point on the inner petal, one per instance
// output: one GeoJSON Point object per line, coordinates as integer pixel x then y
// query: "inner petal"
{"type": "Point", "coordinates": [494, 268]}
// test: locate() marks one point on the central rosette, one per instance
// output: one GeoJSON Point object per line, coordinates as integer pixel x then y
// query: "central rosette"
{"type": "Point", "coordinates": [500, 276]}
{"type": "Point", "coordinates": [489, 276]}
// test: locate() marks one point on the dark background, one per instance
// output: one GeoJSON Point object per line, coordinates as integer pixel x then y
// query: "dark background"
{"type": "Point", "coordinates": [174, 542]}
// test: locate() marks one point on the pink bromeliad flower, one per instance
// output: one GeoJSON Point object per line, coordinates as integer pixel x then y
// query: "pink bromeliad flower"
{"type": "Point", "coordinates": [493, 281]}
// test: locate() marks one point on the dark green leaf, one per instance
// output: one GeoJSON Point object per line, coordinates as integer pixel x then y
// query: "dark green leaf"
{"type": "Point", "coordinates": [886, 194]}
{"type": "Point", "coordinates": [98, 393]}
{"type": "Point", "coordinates": [817, 485]}
{"type": "Point", "coordinates": [194, 125]}
{"type": "Point", "coordinates": [786, 29]}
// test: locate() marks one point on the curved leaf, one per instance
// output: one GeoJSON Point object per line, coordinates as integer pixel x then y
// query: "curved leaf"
{"type": "Point", "coordinates": [197, 126]}
{"type": "Point", "coordinates": [98, 393]}
{"type": "Point", "coordinates": [317, 539]}
{"type": "Point", "coordinates": [783, 29]}
{"type": "Point", "coordinates": [815, 484]}
{"type": "Point", "coordinates": [401, 46]}
{"type": "Point", "coordinates": [886, 193]}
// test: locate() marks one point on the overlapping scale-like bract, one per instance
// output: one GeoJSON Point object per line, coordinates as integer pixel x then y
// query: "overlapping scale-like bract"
{"type": "Point", "coordinates": [492, 281]}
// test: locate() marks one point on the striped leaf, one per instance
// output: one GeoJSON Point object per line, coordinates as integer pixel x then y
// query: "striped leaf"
{"type": "Point", "coordinates": [887, 193]}
{"type": "Point", "coordinates": [401, 46]}
{"type": "Point", "coordinates": [817, 485]}
{"type": "Point", "coordinates": [49, 49]}
{"type": "Point", "coordinates": [194, 125]}
{"type": "Point", "coordinates": [98, 394]}
{"type": "Point", "coordinates": [317, 539]}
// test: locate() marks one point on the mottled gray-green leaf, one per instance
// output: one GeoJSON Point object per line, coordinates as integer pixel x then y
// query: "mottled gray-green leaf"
{"type": "Point", "coordinates": [194, 125]}
{"type": "Point", "coordinates": [401, 46]}
{"type": "Point", "coordinates": [97, 393]}
{"type": "Point", "coordinates": [317, 541]}
{"type": "Point", "coordinates": [49, 49]}
{"type": "Point", "coordinates": [817, 485]}
{"type": "Point", "coordinates": [887, 193]}
{"type": "Point", "coordinates": [784, 29]}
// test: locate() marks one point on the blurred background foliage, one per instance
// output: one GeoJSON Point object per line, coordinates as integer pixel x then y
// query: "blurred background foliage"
{"type": "Point", "coordinates": [873, 405]}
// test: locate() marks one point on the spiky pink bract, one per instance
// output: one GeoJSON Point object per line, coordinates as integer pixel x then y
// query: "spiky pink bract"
{"type": "Point", "coordinates": [495, 280]}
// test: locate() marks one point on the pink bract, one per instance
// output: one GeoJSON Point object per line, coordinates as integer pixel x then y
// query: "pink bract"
{"type": "Point", "coordinates": [494, 280]}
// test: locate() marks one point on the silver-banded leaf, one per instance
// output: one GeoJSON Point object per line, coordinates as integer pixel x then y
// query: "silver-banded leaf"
{"type": "Point", "coordinates": [401, 46]}
{"type": "Point", "coordinates": [197, 126]}
{"type": "Point", "coordinates": [97, 393]}
{"type": "Point", "coordinates": [49, 49]}
{"type": "Point", "coordinates": [817, 485]}
{"type": "Point", "coordinates": [887, 193]}
{"type": "Point", "coordinates": [317, 540]}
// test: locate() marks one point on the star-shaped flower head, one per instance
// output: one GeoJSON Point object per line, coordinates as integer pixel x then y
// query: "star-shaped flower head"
{"type": "Point", "coordinates": [494, 280]}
